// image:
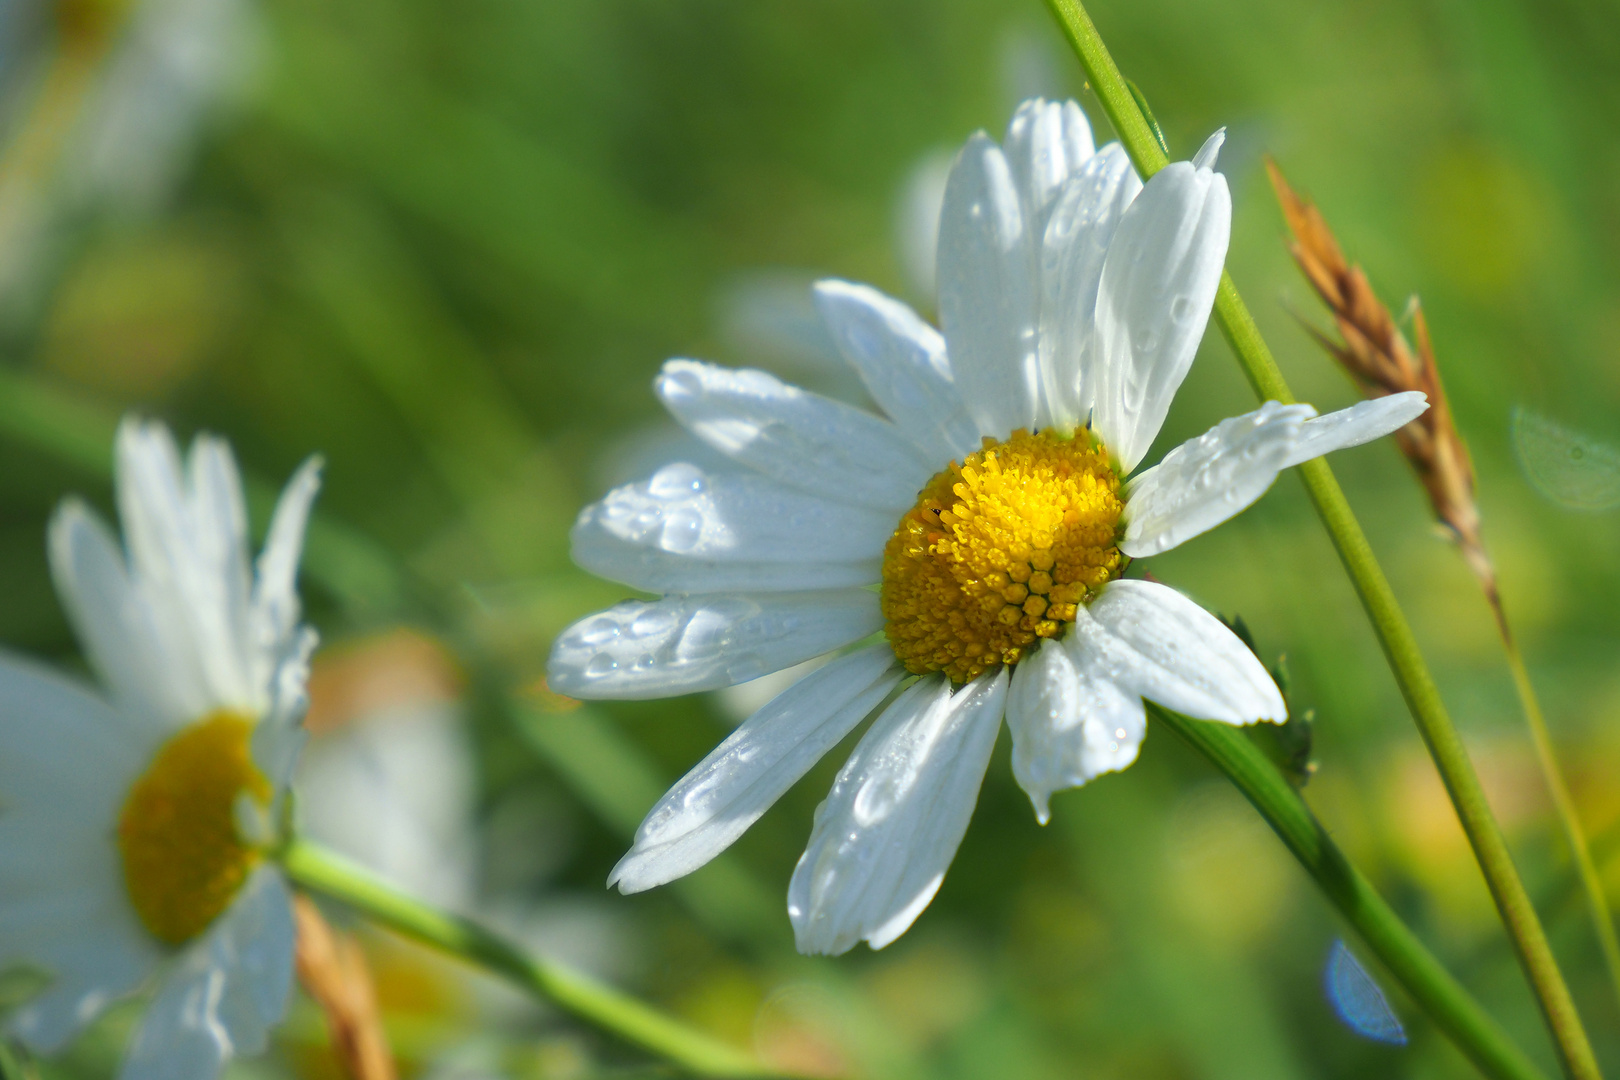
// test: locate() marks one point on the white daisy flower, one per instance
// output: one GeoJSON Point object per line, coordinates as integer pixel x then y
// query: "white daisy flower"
{"type": "Point", "coordinates": [134, 825]}
{"type": "Point", "coordinates": [991, 509]}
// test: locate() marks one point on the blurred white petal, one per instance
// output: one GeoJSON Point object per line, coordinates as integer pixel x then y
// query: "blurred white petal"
{"type": "Point", "coordinates": [225, 992]}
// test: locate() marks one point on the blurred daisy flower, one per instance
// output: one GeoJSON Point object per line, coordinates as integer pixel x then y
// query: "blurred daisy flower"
{"type": "Point", "coordinates": [135, 825]}
{"type": "Point", "coordinates": [994, 508]}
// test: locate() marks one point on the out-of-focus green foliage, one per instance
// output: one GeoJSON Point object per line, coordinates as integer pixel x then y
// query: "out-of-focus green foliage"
{"type": "Point", "coordinates": [448, 245]}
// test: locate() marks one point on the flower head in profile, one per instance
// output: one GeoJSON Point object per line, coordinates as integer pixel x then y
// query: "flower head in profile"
{"type": "Point", "coordinates": [134, 822]}
{"type": "Point", "coordinates": [994, 504]}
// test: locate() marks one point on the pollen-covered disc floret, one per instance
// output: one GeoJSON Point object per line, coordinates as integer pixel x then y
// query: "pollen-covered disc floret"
{"type": "Point", "coordinates": [999, 551]}
{"type": "Point", "coordinates": [184, 860]}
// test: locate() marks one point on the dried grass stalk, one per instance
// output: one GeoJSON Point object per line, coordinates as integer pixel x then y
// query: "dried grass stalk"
{"type": "Point", "coordinates": [1375, 354]}
{"type": "Point", "coordinates": [333, 971]}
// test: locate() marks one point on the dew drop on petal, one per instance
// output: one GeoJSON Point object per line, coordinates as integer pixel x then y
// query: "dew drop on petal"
{"type": "Point", "coordinates": [677, 481]}
{"type": "Point", "coordinates": [683, 528]}
{"type": "Point", "coordinates": [598, 631]}
{"type": "Point", "coordinates": [654, 622]}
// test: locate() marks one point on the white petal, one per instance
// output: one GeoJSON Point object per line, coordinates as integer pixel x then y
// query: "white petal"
{"type": "Point", "coordinates": [255, 940]}
{"type": "Point", "coordinates": [801, 439]}
{"type": "Point", "coordinates": [1360, 423]}
{"type": "Point", "coordinates": [902, 361]}
{"type": "Point", "coordinates": [987, 291]}
{"type": "Point", "coordinates": [1158, 285]}
{"type": "Point", "coordinates": [94, 961]}
{"type": "Point", "coordinates": [1210, 479]}
{"type": "Point", "coordinates": [894, 818]}
{"type": "Point", "coordinates": [660, 572]}
{"type": "Point", "coordinates": [63, 747]}
{"type": "Point", "coordinates": [1073, 249]}
{"type": "Point", "coordinates": [66, 760]}
{"type": "Point", "coordinates": [1207, 480]}
{"type": "Point", "coordinates": [116, 628]}
{"type": "Point", "coordinates": [63, 907]}
{"type": "Point", "coordinates": [188, 558]}
{"type": "Point", "coordinates": [225, 993]}
{"type": "Point", "coordinates": [685, 530]}
{"type": "Point", "coordinates": [1069, 723]}
{"type": "Point", "coordinates": [275, 595]}
{"type": "Point", "coordinates": [727, 792]}
{"type": "Point", "coordinates": [680, 645]}
{"type": "Point", "coordinates": [1046, 142]}
{"type": "Point", "coordinates": [280, 734]}
{"type": "Point", "coordinates": [1210, 151]}
{"type": "Point", "coordinates": [1149, 639]}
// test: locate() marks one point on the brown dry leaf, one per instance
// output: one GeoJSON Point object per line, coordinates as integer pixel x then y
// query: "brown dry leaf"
{"type": "Point", "coordinates": [333, 971]}
{"type": "Point", "coordinates": [1381, 361]}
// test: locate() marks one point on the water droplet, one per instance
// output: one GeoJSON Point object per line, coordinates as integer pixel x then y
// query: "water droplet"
{"type": "Point", "coordinates": [654, 622]}
{"type": "Point", "coordinates": [1120, 733]}
{"type": "Point", "coordinates": [599, 631]}
{"type": "Point", "coordinates": [1181, 309]}
{"type": "Point", "coordinates": [683, 528]}
{"type": "Point", "coordinates": [875, 801]}
{"type": "Point", "coordinates": [600, 665]}
{"type": "Point", "coordinates": [679, 385]}
{"type": "Point", "coordinates": [677, 481]}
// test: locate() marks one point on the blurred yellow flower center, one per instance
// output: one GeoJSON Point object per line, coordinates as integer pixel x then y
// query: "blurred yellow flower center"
{"type": "Point", "coordinates": [999, 551]}
{"type": "Point", "coordinates": [183, 857]}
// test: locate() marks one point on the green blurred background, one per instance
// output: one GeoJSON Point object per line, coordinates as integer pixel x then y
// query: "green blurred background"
{"type": "Point", "coordinates": [447, 246]}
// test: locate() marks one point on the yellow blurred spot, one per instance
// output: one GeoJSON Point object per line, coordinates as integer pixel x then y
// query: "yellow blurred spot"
{"type": "Point", "coordinates": [1485, 219]}
{"type": "Point", "coordinates": [138, 315]}
{"type": "Point", "coordinates": [1228, 876]}
{"type": "Point", "coordinates": [930, 990]}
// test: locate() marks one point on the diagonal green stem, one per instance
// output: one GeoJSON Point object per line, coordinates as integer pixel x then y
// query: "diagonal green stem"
{"type": "Point", "coordinates": [1586, 869]}
{"type": "Point", "coordinates": [1442, 997]}
{"type": "Point", "coordinates": [1394, 635]}
{"type": "Point", "coordinates": [321, 871]}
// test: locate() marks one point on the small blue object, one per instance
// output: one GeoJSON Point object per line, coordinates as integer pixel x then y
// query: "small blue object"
{"type": "Point", "coordinates": [1357, 999]}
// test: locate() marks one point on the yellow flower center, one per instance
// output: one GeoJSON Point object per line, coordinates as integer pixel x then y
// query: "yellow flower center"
{"type": "Point", "coordinates": [183, 857]}
{"type": "Point", "coordinates": [999, 551]}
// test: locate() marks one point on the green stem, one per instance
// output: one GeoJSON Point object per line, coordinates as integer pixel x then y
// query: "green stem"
{"type": "Point", "coordinates": [1586, 868]}
{"type": "Point", "coordinates": [1394, 635]}
{"type": "Point", "coordinates": [321, 871]}
{"type": "Point", "coordinates": [1442, 997]}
